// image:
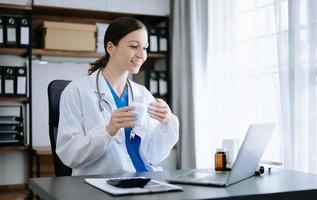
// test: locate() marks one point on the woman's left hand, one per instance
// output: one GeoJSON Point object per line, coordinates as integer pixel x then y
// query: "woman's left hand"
{"type": "Point", "coordinates": [160, 110]}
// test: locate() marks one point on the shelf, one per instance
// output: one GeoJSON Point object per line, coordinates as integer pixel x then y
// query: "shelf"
{"type": "Point", "coordinates": [42, 151]}
{"type": "Point", "coordinates": [44, 52]}
{"type": "Point", "coordinates": [14, 147]}
{"type": "Point", "coordinates": [13, 51]}
{"type": "Point", "coordinates": [14, 98]}
{"type": "Point", "coordinates": [17, 7]}
{"type": "Point", "coordinates": [84, 13]}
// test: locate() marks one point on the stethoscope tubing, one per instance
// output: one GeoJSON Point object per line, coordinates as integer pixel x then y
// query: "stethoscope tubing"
{"type": "Point", "coordinates": [105, 101]}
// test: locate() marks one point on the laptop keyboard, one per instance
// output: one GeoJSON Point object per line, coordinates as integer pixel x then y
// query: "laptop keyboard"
{"type": "Point", "coordinates": [218, 177]}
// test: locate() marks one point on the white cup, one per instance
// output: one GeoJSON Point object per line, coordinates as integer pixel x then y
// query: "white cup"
{"type": "Point", "coordinates": [232, 146]}
{"type": "Point", "coordinates": [141, 110]}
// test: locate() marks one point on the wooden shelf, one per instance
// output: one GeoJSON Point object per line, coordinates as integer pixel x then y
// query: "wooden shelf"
{"type": "Point", "coordinates": [13, 147]}
{"type": "Point", "coordinates": [42, 151]}
{"type": "Point", "coordinates": [156, 55]}
{"type": "Point", "coordinates": [44, 52]}
{"type": "Point", "coordinates": [83, 13]}
{"type": "Point", "coordinates": [14, 98]}
{"type": "Point", "coordinates": [13, 51]}
{"type": "Point", "coordinates": [17, 6]}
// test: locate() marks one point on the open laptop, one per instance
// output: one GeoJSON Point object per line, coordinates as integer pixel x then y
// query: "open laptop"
{"type": "Point", "coordinates": [244, 166]}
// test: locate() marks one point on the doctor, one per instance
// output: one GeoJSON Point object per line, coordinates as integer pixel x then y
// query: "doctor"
{"type": "Point", "coordinates": [95, 127]}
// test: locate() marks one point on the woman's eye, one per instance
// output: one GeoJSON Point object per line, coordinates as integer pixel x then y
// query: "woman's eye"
{"type": "Point", "coordinates": [134, 47]}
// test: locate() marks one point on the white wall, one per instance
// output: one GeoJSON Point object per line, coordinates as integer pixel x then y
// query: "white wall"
{"type": "Point", "coordinates": [146, 7]}
{"type": "Point", "coordinates": [42, 75]}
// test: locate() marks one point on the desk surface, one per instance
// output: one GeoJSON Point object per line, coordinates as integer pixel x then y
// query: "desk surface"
{"type": "Point", "coordinates": [279, 184]}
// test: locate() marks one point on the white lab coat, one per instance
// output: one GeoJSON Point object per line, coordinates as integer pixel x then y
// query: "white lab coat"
{"type": "Point", "coordinates": [83, 142]}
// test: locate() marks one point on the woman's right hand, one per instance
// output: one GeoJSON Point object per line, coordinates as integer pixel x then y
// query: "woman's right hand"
{"type": "Point", "coordinates": [121, 118]}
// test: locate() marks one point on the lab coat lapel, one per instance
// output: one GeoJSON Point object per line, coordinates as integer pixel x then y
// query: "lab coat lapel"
{"type": "Point", "coordinates": [107, 96]}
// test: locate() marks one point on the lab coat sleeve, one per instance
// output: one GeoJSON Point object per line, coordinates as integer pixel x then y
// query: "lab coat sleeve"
{"type": "Point", "coordinates": [161, 138]}
{"type": "Point", "coordinates": [76, 148]}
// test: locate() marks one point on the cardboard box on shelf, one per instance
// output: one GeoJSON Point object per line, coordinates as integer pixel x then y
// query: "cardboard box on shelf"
{"type": "Point", "coordinates": [69, 36]}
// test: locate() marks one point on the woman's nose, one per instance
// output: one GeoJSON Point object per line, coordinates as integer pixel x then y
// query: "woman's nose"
{"type": "Point", "coordinates": [141, 53]}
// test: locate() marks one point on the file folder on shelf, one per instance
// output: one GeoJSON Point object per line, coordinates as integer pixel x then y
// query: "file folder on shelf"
{"type": "Point", "coordinates": [153, 46]}
{"type": "Point", "coordinates": [1, 77]}
{"type": "Point", "coordinates": [163, 45]}
{"type": "Point", "coordinates": [162, 84]}
{"type": "Point", "coordinates": [21, 81]}
{"type": "Point", "coordinates": [11, 31]}
{"type": "Point", "coordinates": [1, 30]}
{"type": "Point", "coordinates": [8, 80]}
{"type": "Point", "coordinates": [24, 31]}
{"type": "Point", "coordinates": [153, 83]}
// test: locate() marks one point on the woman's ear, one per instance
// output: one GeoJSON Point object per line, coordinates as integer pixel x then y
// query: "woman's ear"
{"type": "Point", "coordinates": [110, 48]}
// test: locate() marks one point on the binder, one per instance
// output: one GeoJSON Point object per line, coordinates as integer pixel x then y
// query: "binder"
{"type": "Point", "coordinates": [8, 80]}
{"type": "Point", "coordinates": [1, 79]}
{"type": "Point", "coordinates": [153, 46]}
{"type": "Point", "coordinates": [153, 83]}
{"type": "Point", "coordinates": [24, 31]}
{"type": "Point", "coordinates": [1, 30]}
{"type": "Point", "coordinates": [21, 81]}
{"type": "Point", "coordinates": [163, 45]}
{"type": "Point", "coordinates": [11, 31]}
{"type": "Point", "coordinates": [162, 84]}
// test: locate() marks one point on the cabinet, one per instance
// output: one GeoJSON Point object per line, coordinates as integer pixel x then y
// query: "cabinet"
{"type": "Point", "coordinates": [15, 95]}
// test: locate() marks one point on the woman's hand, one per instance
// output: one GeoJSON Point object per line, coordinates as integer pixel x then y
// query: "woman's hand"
{"type": "Point", "coordinates": [121, 118]}
{"type": "Point", "coordinates": [160, 110]}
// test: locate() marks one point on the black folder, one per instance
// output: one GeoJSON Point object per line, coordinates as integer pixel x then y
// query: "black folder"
{"type": "Point", "coordinates": [20, 81]}
{"type": "Point", "coordinates": [162, 84]}
{"type": "Point", "coordinates": [153, 83]}
{"type": "Point", "coordinates": [1, 81]}
{"type": "Point", "coordinates": [1, 30]}
{"type": "Point", "coordinates": [163, 44]}
{"type": "Point", "coordinates": [11, 31]}
{"type": "Point", "coordinates": [8, 80]}
{"type": "Point", "coordinates": [153, 40]}
{"type": "Point", "coordinates": [24, 31]}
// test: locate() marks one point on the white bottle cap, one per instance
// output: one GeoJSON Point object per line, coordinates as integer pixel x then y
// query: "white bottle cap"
{"type": "Point", "coordinates": [221, 150]}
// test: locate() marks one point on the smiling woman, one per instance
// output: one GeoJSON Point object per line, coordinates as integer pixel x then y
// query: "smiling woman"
{"type": "Point", "coordinates": [97, 131]}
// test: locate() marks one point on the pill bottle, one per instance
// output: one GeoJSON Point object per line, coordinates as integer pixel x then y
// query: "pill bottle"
{"type": "Point", "coordinates": [220, 159]}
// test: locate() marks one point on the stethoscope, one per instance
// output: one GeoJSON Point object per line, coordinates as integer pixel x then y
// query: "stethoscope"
{"type": "Point", "coordinates": [103, 103]}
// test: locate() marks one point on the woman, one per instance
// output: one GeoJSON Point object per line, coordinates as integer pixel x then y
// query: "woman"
{"type": "Point", "coordinates": [95, 128]}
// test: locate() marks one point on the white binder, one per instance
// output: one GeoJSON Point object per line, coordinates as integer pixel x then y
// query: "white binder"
{"type": "Point", "coordinates": [21, 80]}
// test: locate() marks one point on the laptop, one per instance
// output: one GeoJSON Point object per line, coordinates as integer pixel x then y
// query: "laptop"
{"type": "Point", "coordinates": [244, 166]}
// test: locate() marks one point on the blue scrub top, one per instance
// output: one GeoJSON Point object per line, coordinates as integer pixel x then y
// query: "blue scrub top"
{"type": "Point", "coordinates": [133, 144]}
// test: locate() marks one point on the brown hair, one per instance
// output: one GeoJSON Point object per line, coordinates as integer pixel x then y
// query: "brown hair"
{"type": "Point", "coordinates": [114, 33]}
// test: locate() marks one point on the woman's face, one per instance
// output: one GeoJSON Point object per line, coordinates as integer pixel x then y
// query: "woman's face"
{"type": "Point", "coordinates": [130, 53]}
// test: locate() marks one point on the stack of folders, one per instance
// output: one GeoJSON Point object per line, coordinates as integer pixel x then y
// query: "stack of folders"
{"type": "Point", "coordinates": [14, 31]}
{"type": "Point", "coordinates": [157, 83]}
{"type": "Point", "coordinates": [13, 81]}
{"type": "Point", "coordinates": [11, 126]}
{"type": "Point", "coordinates": [158, 39]}
{"type": "Point", "coordinates": [101, 30]}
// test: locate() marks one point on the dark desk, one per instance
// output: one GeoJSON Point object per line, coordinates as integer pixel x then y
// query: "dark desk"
{"type": "Point", "coordinates": [279, 184]}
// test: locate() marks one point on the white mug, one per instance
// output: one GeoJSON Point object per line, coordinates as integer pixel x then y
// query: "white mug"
{"type": "Point", "coordinates": [232, 146]}
{"type": "Point", "coordinates": [141, 110]}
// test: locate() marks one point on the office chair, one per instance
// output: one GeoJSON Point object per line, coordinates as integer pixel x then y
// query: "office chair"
{"type": "Point", "coordinates": [54, 90]}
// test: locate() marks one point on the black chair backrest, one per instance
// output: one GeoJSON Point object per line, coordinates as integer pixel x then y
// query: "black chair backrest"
{"type": "Point", "coordinates": [54, 90]}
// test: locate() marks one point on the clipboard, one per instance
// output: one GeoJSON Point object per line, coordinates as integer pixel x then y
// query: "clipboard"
{"type": "Point", "coordinates": [153, 186]}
